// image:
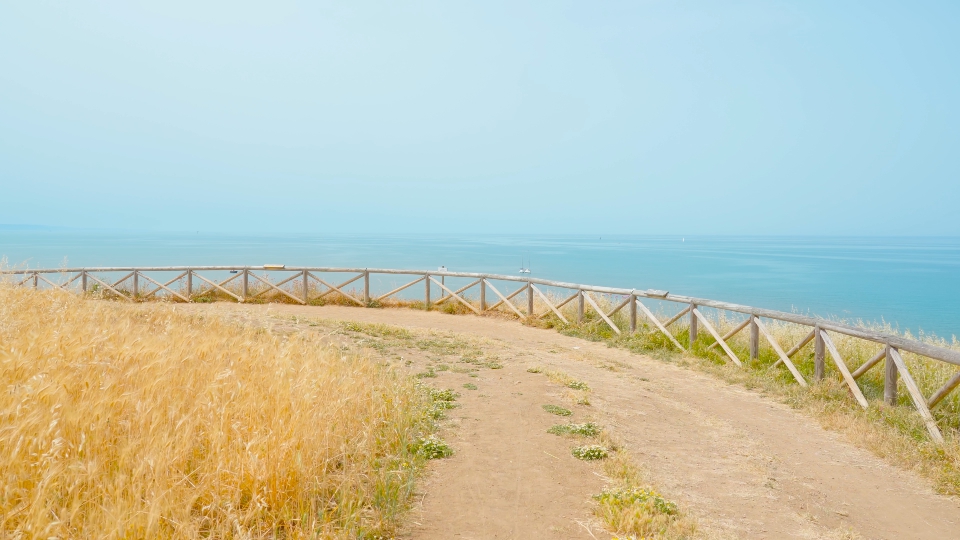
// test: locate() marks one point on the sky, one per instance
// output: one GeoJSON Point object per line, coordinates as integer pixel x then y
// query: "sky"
{"type": "Point", "coordinates": [643, 117]}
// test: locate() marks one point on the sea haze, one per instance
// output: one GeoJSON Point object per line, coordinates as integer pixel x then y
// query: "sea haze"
{"type": "Point", "coordinates": [910, 282]}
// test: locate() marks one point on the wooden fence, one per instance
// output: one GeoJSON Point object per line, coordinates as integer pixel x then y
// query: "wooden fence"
{"type": "Point", "coordinates": [188, 284]}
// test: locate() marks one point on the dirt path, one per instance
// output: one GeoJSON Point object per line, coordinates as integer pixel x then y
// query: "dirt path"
{"type": "Point", "coordinates": [743, 465]}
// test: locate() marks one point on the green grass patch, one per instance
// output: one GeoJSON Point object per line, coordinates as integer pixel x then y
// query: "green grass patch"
{"type": "Point", "coordinates": [588, 429]}
{"type": "Point", "coordinates": [440, 402]}
{"type": "Point", "coordinates": [445, 395]}
{"type": "Point", "coordinates": [428, 374]}
{"type": "Point", "coordinates": [433, 447]}
{"type": "Point", "coordinates": [557, 410]}
{"type": "Point", "coordinates": [590, 452]}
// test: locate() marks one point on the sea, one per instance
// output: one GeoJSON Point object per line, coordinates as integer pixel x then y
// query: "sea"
{"type": "Point", "coordinates": [910, 283]}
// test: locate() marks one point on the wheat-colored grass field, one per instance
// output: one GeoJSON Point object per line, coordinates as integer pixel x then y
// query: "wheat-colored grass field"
{"type": "Point", "coordinates": [133, 421]}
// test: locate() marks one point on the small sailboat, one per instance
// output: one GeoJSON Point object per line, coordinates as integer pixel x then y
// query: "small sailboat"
{"type": "Point", "coordinates": [523, 269]}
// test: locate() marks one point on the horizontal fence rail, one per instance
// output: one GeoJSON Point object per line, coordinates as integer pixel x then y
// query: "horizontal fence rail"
{"type": "Point", "coordinates": [304, 285]}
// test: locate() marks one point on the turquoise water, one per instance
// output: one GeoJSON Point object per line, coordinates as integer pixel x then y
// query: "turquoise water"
{"type": "Point", "coordinates": [911, 282]}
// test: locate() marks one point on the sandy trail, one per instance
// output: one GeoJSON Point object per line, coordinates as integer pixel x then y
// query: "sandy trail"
{"type": "Point", "coordinates": [743, 465]}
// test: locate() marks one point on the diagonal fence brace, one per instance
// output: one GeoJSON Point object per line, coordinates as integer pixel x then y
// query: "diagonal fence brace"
{"type": "Point", "coordinates": [456, 296]}
{"type": "Point", "coordinates": [716, 336]}
{"type": "Point", "coordinates": [506, 299]}
{"type": "Point", "coordinates": [549, 305]}
{"type": "Point", "coordinates": [338, 288]}
{"type": "Point", "coordinates": [593, 304]}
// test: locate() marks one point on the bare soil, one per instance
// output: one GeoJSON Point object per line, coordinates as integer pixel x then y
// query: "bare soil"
{"type": "Point", "coordinates": [743, 465]}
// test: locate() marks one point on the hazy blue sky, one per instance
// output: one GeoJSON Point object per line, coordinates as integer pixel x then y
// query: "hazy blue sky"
{"type": "Point", "coordinates": [636, 117]}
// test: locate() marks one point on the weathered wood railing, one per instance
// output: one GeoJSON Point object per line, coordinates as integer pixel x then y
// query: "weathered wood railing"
{"type": "Point", "coordinates": [137, 284]}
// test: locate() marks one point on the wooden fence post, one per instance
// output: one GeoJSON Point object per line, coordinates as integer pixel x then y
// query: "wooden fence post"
{"type": "Point", "coordinates": [190, 284]}
{"type": "Point", "coordinates": [483, 295]}
{"type": "Point", "coordinates": [426, 292]}
{"type": "Point", "coordinates": [36, 280]}
{"type": "Point", "coordinates": [890, 379]}
{"type": "Point", "coordinates": [754, 338]}
{"type": "Point", "coordinates": [83, 280]}
{"type": "Point", "coordinates": [580, 306]}
{"type": "Point", "coordinates": [366, 287]}
{"type": "Point", "coordinates": [819, 355]}
{"type": "Point", "coordinates": [633, 313]}
{"type": "Point", "coordinates": [246, 284]}
{"type": "Point", "coordinates": [136, 283]}
{"type": "Point", "coordinates": [306, 288]}
{"type": "Point", "coordinates": [918, 402]}
{"type": "Point", "coordinates": [693, 324]}
{"type": "Point", "coordinates": [529, 299]}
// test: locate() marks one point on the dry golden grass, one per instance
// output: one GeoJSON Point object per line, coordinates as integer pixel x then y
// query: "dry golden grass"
{"type": "Point", "coordinates": [126, 421]}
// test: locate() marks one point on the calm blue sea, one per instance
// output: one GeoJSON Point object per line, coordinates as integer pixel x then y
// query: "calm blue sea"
{"type": "Point", "coordinates": [911, 282]}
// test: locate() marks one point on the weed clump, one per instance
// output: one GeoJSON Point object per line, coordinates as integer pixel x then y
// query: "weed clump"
{"type": "Point", "coordinates": [641, 512]}
{"type": "Point", "coordinates": [440, 405]}
{"type": "Point", "coordinates": [462, 370]}
{"type": "Point", "coordinates": [445, 395]}
{"type": "Point", "coordinates": [440, 401]}
{"type": "Point", "coordinates": [620, 498]}
{"type": "Point", "coordinates": [590, 452]}
{"type": "Point", "coordinates": [470, 386]}
{"type": "Point", "coordinates": [565, 379]}
{"type": "Point", "coordinates": [557, 410]}
{"type": "Point", "coordinates": [428, 374]}
{"type": "Point", "coordinates": [588, 429]}
{"type": "Point", "coordinates": [433, 447]}
{"type": "Point", "coordinates": [534, 370]}
{"type": "Point", "coordinates": [631, 507]}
